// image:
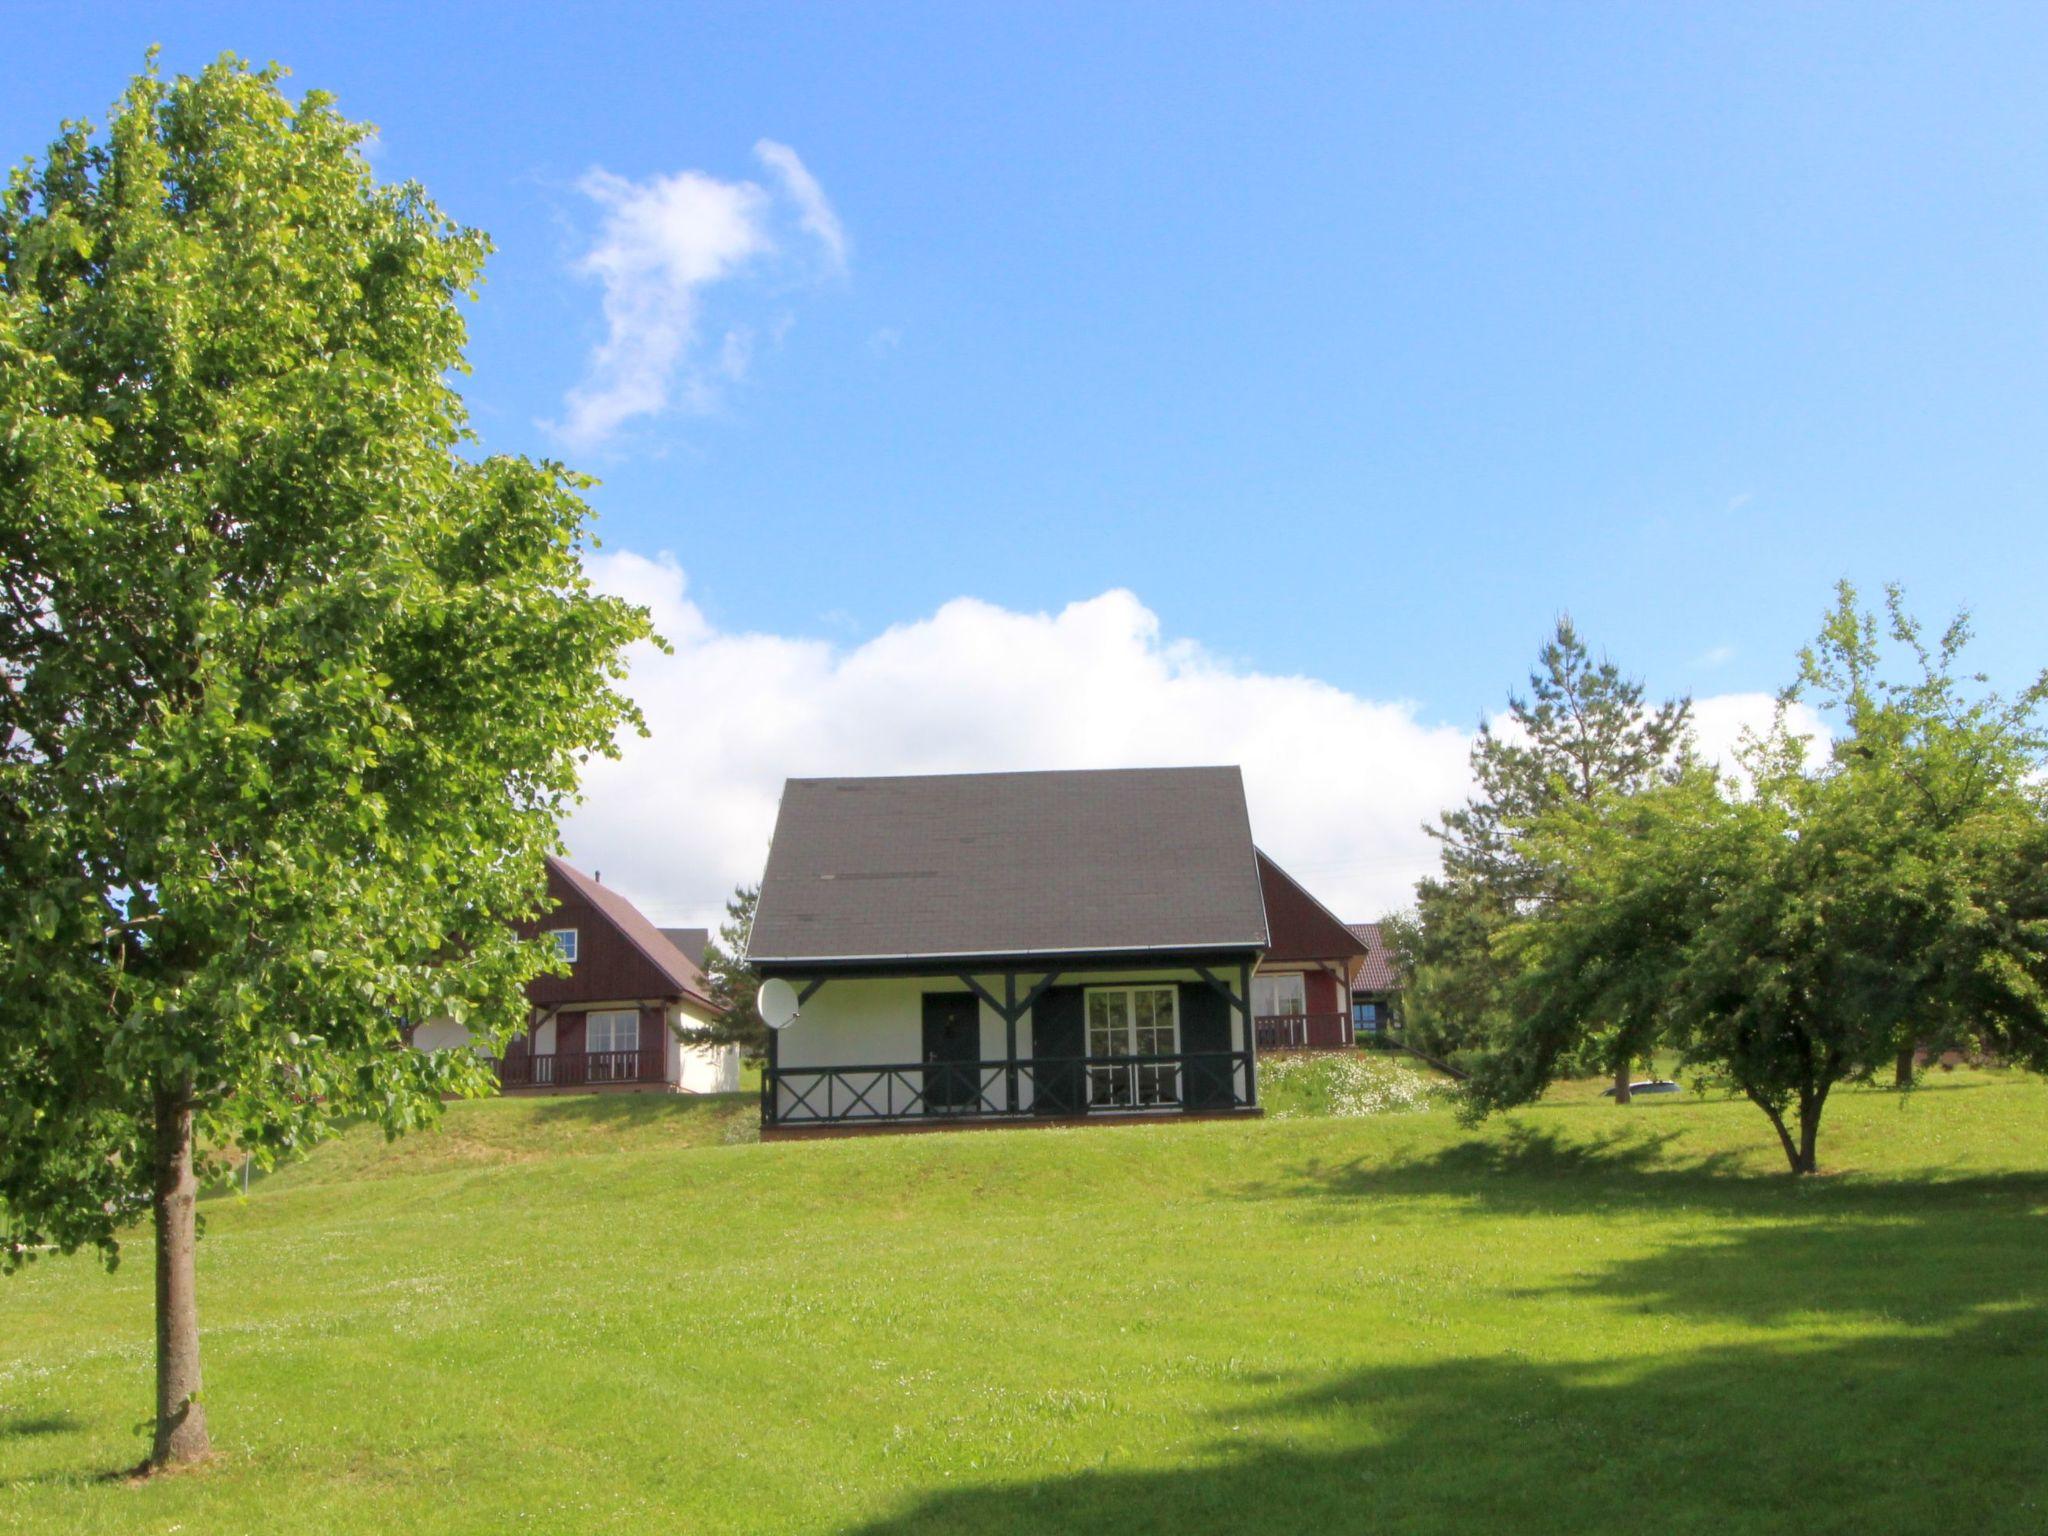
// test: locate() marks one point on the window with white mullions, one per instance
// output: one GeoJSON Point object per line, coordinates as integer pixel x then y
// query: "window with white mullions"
{"type": "Point", "coordinates": [1134, 1021]}
{"type": "Point", "coordinates": [607, 1036]}
{"type": "Point", "coordinates": [1279, 995]}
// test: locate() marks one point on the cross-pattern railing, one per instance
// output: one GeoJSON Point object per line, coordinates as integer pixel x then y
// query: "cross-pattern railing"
{"type": "Point", "coordinates": [579, 1069]}
{"type": "Point", "coordinates": [1057, 1086]}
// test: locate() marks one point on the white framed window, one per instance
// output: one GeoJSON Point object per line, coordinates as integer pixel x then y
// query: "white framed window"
{"type": "Point", "coordinates": [565, 941]}
{"type": "Point", "coordinates": [612, 1030]}
{"type": "Point", "coordinates": [1279, 995]}
{"type": "Point", "coordinates": [1133, 1021]}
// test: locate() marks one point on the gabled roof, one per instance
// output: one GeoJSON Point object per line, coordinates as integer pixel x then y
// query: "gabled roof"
{"type": "Point", "coordinates": [1302, 927]}
{"type": "Point", "coordinates": [691, 941]}
{"type": "Point", "coordinates": [653, 946]}
{"type": "Point", "coordinates": [1375, 970]}
{"type": "Point", "coordinates": [949, 866]}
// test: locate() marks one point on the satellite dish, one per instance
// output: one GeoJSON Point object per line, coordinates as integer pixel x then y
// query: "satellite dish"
{"type": "Point", "coordinates": [777, 1002]}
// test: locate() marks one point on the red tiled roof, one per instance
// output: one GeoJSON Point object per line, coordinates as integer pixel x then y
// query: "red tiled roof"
{"type": "Point", "coordinates": [1375, 970]}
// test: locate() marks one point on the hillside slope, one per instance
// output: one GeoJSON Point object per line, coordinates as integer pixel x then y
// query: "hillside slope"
{"type": "Point", "coordinates": [557, 1317]}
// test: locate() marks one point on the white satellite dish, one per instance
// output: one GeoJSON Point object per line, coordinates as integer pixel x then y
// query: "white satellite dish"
{"type": "Point", "coordinates": [777, 1002]}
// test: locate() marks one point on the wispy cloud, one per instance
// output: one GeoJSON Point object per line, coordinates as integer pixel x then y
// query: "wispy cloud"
{"type": "Point", "coordinates": [813, 209]}
{"type": "Point", "coordinates": [1714, 656]}
{"type": "Point", "coordinates": [661, 244]}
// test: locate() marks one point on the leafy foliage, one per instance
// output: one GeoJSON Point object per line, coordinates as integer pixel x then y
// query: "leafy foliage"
{"type": "Point", "coordinates": [1802, 929]}
{"type": "Point", "coordinates": [1583, 732]}
{"type": "Point", "coordinates": [294, 690]}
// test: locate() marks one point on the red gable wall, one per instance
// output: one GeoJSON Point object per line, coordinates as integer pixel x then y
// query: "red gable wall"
{"type": "Point", "coordinates": [609, 966]}
{"type": "Point", "coordinates": [1301, 927]}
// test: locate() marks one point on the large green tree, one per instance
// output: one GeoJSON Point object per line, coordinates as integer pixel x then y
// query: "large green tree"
{"type": "Point", "coordinates": [1800, 927]}
{"type": "Point", "coordinates": [295, 686]}
{"type": "Point", "coordinates": [1583, 732]}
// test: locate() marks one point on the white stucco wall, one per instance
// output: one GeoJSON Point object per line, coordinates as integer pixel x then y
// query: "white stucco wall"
{"type": "Point", "coordinates": [697, 1068]}
{"type": "Point", "coordinates": [440, 1035]}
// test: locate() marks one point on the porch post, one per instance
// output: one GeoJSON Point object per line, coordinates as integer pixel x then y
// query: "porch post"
{"type": "Point", "coordinates": [1010, 1011]}
{"type": "Point", "coordinates": [768, 1089]}
{"type": "Point", "coordinates": [1251, 1037]}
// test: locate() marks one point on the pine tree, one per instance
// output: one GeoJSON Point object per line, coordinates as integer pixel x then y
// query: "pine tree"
{"type": "Point", "coordinates": [732, 982]}
{"type": "Point", "coordinates": [1582, 731]}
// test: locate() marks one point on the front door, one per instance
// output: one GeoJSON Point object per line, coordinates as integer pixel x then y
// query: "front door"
{"type": "Point", "coordinates": [952, 1047]}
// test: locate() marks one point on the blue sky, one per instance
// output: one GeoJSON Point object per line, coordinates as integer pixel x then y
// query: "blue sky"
{"type": "Point", "coordinates": [1355, 341]}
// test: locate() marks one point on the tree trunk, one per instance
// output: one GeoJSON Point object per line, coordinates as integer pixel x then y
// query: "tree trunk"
{"type": "Point", "coordinates": [1621, 1077]}
{"type": "Point", "coordinates": [180, 1418]}
{"type": "Point", "coordinates": [1777, 1124]}
{"type": "Point", "coordinates": [1902, 1070]}
{"type": "Point", "coordinates": [1808, 1160]}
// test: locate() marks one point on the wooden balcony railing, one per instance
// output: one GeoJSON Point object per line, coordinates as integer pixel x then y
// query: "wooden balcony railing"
{"type": "Point", "coordinates": [1299, 1031]}
{"type": "Point", "coordinates": [579, 1069]}
{"type": "Point", "coordinates": [1061, 1086]}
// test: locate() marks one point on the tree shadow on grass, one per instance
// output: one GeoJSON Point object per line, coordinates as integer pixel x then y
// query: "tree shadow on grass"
{"type": "Point", "coordinates": [1915, 1251]}
{"type": "Point", "coordinates": [1535, 1169]}
{"type": "Point", "coordinates": [30, 1426]}
{"type": "Point", "coordinates": [1888, 1389]}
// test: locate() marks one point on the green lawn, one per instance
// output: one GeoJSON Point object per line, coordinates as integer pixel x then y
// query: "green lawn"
{"type": "Point", "coordinates": [583, 1315]}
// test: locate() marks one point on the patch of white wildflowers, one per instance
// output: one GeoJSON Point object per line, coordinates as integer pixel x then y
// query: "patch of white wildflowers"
{"type": "Point", "coordinates": [1343, 1085]}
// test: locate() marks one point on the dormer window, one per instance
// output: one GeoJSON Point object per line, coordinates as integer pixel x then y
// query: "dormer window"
{"type": "Point", "coordinates": [565, 941]}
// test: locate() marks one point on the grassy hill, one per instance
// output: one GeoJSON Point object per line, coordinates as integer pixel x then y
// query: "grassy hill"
{"type": "Point", "coordinates": [603, 1315]}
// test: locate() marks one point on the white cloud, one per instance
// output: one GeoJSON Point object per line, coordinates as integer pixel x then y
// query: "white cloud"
{"type": "Point", "coordinates": [1339, 784]}
{"type": "Point", "coordinates": [660, 246]}
{"type": "Point", "coordinates": [1719, 721]}
{"type": "Point", "coordinates": [813, 209]}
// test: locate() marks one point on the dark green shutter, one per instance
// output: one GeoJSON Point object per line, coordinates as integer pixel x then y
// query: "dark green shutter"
{"type": "Point", "coordinates": [1059, 1039]}
{"type": "Point", "coordinates": [1209, 1080]}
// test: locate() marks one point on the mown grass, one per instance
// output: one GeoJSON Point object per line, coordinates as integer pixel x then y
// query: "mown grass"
{"type": "Point", "coordinates": [1579, 1319]}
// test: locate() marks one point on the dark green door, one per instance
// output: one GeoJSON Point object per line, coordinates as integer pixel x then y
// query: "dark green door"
{"type": "Point", "coordinates": [952, 1047]}
{"type": "Point", "coordinates": [1209, 1078]}
{"type": "Point", "coordinates": [1059, 1039]}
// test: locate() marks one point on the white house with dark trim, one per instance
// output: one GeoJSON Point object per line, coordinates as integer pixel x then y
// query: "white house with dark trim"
{"type": "Point", "coordinates": [990, 947]}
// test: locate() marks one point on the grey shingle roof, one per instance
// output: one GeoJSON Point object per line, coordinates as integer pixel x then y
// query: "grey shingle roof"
{"type": "Point", "coordinates": [1002, 864]}
{"type": "Point", "coordinates": [691, 941]}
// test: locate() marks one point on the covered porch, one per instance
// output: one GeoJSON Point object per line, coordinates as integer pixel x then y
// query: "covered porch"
{"type": "Point", "coordinates": [580, 1069]}
{"type": "Point", "coordinates": [1096, 1038]}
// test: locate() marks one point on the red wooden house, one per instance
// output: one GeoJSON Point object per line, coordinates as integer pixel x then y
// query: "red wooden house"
{"type": "Point", "coordinates": [1301, 993]}
{"type": "Point", "coordinates": [611, 1023]}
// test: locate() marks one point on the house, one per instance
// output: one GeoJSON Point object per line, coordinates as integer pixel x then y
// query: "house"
{"type": "Point", "coordinates": [1375, 984]}
{"type": "Point", "coordinates": [1301, 991]}
{"type": "Point", "coordinates": [611, 1023]}
{"type": "Point", "coordinates": [1010, 946]}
